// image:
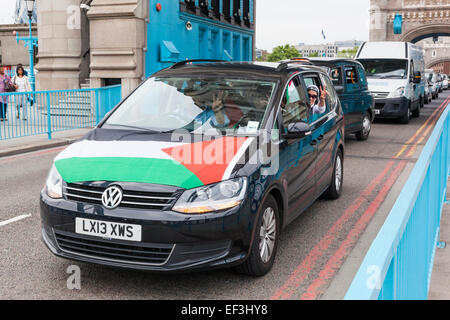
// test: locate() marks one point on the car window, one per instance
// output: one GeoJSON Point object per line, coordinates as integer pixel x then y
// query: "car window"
{"type": "Point", "coordinates": [362, 77]}
{"type": "Point", "coordinates": [351, 78]}
{"type": "Point", "coordinates": [336, 76]}
{"type": "Point", "coordinates": [314, 79]}
{"type": "Point", "coordinates": [195, 103]}
{"type": "Point", "coordinates": [332, 95]}
{"type": "Point", "coordinates": [293, 104]}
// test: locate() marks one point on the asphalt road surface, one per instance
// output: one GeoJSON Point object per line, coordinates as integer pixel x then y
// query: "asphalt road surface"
{"type": "Point", "coordinates": [311, 252]}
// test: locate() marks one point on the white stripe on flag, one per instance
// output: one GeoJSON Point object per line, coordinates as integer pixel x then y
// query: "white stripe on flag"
{"type": "Point", "coordinates": [117, 149]}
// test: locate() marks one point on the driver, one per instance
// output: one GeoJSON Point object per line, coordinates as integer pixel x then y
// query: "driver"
{"type": "Point", "coordinates": [214, 114]}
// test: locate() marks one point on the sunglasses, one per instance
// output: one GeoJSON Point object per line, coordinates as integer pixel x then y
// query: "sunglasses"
{"type": "Point", "coordinates": [313, 96]}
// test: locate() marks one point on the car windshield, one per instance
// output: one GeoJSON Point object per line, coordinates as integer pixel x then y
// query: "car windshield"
{"type": "Point", "coordinates": [195, 104]}
{"type": "Point", "coordinates": [385, 68]}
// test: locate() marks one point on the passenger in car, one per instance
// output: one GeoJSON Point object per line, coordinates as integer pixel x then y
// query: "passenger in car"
{"type": "Point", "coordinates": [318, 105]}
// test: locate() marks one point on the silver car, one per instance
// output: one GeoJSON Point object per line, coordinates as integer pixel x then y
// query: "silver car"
{"type": "Point", "coordinates": [444, 82]}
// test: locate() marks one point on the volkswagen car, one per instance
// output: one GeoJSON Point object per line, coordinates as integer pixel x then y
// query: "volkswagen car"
{"type": "Point", "coordinates": [200, 167]}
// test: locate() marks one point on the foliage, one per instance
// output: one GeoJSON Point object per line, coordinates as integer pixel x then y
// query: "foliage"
{"type": "Point", "coordinates": [283, 53]}
{"type": "Point", "coordinates": [350, 53]}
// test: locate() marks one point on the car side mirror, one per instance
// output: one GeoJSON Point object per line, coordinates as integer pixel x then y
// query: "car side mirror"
{"type": "Point", "coordinates": [297, 130]}
{"type": "Point", "coordinates": [339, 89]}
{"type": "Point", "coordinates": [417, 78]}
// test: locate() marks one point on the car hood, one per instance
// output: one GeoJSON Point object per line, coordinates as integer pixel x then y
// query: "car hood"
{"type": "Point", "coordinates": [385, 85]}
{"type": "Point", "coordinates": [127, 157]}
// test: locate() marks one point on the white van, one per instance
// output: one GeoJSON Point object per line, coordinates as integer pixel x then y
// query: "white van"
{"type": "Point", "coordinates": [395, 73]}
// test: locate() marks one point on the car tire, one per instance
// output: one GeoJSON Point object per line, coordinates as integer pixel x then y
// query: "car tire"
{"type": "Point", "coordinates": [265, 241]}
{"type": "Point", "coordinates": [422, 102]}
{"type": "Point", "coordinates": [427, 100]}
{"type": "Point", "coordinates": [405, 118]}
{"type": "Point", "coordinates": [416, 113]}
{"type": "Point", "coordinates": [364, 133]}
{"type": "Point", "coordinates": [335, 189]}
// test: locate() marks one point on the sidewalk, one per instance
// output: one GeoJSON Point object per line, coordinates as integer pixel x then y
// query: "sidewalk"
{"type": "Point", "coordinates": [440, 277]}
{"type": "Point", "coordinates": [14, 146]}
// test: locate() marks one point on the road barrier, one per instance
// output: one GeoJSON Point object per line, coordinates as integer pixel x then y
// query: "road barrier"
{"type": "Point", "coordinates": [399, 262]}
{"type": "Point", "coordinates": [41, 112]}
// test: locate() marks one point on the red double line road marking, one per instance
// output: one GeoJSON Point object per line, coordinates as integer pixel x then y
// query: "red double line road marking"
{"type": "Point", "coordinates": [300, 273]}
{"type": "Point", "coordinates": [335, 262]}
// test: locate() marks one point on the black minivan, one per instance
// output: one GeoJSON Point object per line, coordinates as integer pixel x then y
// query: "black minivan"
{"type": "Point", "coordinates": [200, 167]}
{"type": "Point", "coordinates": [350, 82]}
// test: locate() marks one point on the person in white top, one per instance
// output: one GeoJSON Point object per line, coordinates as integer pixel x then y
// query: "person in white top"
{"type": "Point", "coordinates": [317, 99]}
{"type": "Point", "coordinates": [20, 81]}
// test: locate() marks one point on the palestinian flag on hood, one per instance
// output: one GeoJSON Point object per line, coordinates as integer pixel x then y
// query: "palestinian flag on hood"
{"type": "Point", "coordinates": [185, 165]}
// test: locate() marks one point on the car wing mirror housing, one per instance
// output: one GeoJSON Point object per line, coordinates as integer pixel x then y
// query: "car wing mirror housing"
{"type": "Point", "coordinates": [339, 89]}
{"type": "Point", "coordinates": [297, 130]}
{"type": "Point", "coordinates": [417, 78]}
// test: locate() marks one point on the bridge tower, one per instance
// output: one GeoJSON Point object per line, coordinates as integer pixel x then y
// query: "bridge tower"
{"type": "Point", "coordinates": [420, 19]}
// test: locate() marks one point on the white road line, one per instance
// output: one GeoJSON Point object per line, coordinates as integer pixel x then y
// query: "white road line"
{"type": "Point", "coordinates": [4, 223]}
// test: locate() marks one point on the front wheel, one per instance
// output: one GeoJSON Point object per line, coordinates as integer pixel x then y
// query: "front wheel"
{"type": "Point", "coordinates": [406, 116]}
{"type": "Point", "coordinates": [335, 189]}
{"type": "Point", "coordinates": [365, 131]}
{"type": "Point", "coordinates": [265, 242]}
{"type": "Point", "coordinates": [416, 113]}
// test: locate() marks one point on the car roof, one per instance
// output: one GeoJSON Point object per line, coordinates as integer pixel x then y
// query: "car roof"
{"type": "Point", "coordinates": [331, 61]}
{"type": "Point", "coordinates": [253, 69]}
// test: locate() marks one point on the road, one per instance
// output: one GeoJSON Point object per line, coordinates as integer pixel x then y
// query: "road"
{"type": "Point", "coordinates": [311, 253]}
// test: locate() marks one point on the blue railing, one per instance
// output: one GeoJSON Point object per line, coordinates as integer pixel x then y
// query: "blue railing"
{"type": "Point", "coordinates": [399, 262]}
{"type": "Point", "coordinates": [41, 112]}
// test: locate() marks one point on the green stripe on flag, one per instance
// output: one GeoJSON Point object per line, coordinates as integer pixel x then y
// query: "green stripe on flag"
{"type": "Point", "coordinates": [145, 170]}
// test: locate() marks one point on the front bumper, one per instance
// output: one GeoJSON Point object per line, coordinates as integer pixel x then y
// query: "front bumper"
{"type": "Point", "coordinates": [391, 108]}
{"type": "Point", "coordinates": [185, 242]}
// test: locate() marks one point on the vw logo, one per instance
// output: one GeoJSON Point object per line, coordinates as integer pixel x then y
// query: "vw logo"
{"type": "Point", "coordinates": [112, 197]}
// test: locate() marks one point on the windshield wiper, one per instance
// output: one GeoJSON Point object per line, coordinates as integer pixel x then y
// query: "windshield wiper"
{"type": "Point", "coordinates": [392, 76]}
{"type": "Point", "coordinates": [140, 129]}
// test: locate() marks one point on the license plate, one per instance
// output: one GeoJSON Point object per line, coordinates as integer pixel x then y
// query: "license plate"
{"type": "Point", "coordinates": [377, 111]}
{"type": "Point", "coordinates": [110, 230]}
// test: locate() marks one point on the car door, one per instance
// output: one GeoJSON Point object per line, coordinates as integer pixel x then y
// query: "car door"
{"type": "Point", "coordinates": [324, 131]}
{"type": "Point", "coordinates": [297, 156]}
{"type": "Point", "coordinates": [366, 98]}
{"type": "Point", "coordinates": [352, 110]}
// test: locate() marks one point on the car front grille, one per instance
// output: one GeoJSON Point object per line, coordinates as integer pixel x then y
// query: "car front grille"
{"type": "Point", "coordinates": [153, 254]}
{"type": "Point", "coordinates": [380, 95]}
{"type": "Point", "coordinates": [131, 199]}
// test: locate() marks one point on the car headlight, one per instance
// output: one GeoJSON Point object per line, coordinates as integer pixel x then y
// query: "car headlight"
{"type": "Point", "coordinates": [397, 93]}
{"type": "Point", "coordinates": [220, 196]}
{"type": "Point", "coordinates": [54, 184]}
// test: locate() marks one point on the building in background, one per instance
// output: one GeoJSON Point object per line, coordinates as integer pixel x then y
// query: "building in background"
{"type": "Point", "coordinates": [259, 54]}
{"type": "Point", "coordinates": [114, 41]}
{"type": "Point", "coordinates": [11, 52]}
{"type": "Point", "coordinates": [434, 50]}
{"type": "Point", "coordinates": [319, 50]}
{"type": "Point", "coordinates": [348, 44]}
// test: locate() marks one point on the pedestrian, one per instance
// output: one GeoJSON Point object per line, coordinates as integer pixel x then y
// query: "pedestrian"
{"type": "Point", "coordinates": [25, 73]}
{"type": "Point", "coordinates": [22, 84]}
{"type": "Point", "coordinates": [5, 86]}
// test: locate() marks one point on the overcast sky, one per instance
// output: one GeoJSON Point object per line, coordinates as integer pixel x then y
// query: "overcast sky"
{"type": "Point", "coordinates": [290, 21]}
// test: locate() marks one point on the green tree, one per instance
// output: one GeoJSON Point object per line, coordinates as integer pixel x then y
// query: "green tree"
{"type": "Point", "coordinates": [283, 53]}
{"type": "Point", "coordinates": [314, 54]}
{"type": "Point", "coordinates": [350, 53]}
